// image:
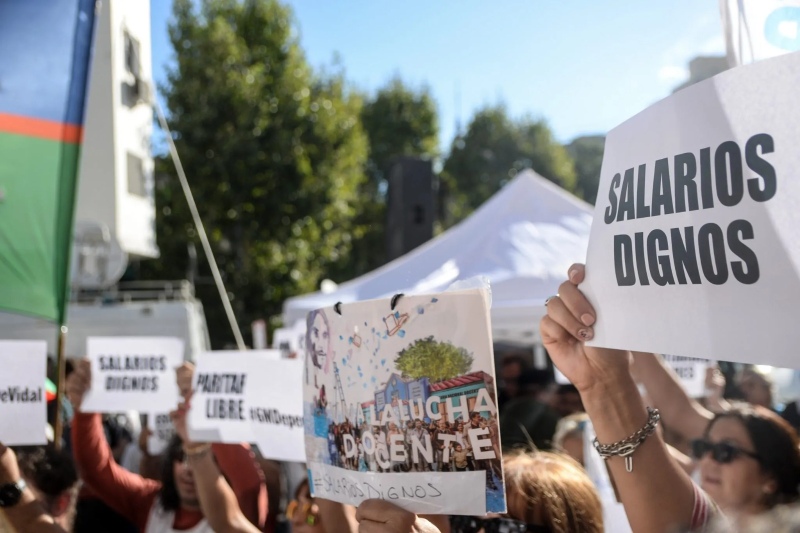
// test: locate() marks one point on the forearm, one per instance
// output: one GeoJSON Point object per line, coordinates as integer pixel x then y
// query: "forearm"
{"type": "Point", "coordinates": [217, 499]}
{"type": "Point", "coordinates": [678, 411]}
{"type": "Point", "coordinates": [657, 494]}
{"type": "Point", "coordinates": [29, 516]}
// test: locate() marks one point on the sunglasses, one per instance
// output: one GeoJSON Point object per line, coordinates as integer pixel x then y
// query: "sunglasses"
{"type": "Point", "coordinates": [472, 524]}
{"type": "Point", "coordinates": [305, 508]}
{"type": "Point", "coordinates": [721, 452]}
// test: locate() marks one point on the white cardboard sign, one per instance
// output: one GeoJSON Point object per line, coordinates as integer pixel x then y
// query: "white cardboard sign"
{"type": "Point", "coordinates": [691, 371]}
{"type": "Point", "coordinates": [250, 396]}
{"type": "Point", "coordinates": [133, 373]}
{"type": "Point", "coordinates": [23, 405]}
{"type": "Point", "coordinates": [162, 431]}
{"type": "Point", "coordinates": [694, 248]}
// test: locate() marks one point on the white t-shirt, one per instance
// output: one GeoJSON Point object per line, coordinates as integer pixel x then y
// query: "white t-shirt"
{"type": "Point", "coordinates": [161, 520]}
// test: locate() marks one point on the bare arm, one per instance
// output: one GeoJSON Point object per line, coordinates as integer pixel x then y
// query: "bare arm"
{"type": "Point", "coordinates": [27, 515]}
{"type": "Point", "coordinates": [679, 412]}
{"type": "Point", "coordinates": [617, 411]}
{"type": "Point", "coordinates": [217, 499]}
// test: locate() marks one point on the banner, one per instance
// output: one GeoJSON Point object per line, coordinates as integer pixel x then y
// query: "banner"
{"type": "Point", "coordinates": [133, 374]}
{"type": "Point", "coordinates": [694, 249]}
{"type": "Point", "coordinates": [759, 29]}
{"type": "Point", "coordinates": [400, 404]}
{"type": "Point", "coordinates": [249, 396]}
{"type": "Point", "coordinates": [46, 50]}
{"type": "Point", "coordinates": [23, 406]}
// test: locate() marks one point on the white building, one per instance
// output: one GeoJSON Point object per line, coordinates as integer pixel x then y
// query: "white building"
{"type": "Point", "coordinates": [116, 170]}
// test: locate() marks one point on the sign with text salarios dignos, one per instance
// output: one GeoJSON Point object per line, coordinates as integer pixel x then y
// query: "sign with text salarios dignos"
{"type": "Point", "coordinates": [695, 247]}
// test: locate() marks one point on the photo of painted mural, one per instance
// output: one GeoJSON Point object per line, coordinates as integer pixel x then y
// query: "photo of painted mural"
{"type": "Point", "coordinates": [404, 390]}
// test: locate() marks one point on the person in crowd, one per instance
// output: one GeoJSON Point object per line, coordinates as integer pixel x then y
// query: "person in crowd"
{"type": "Point", "coordinates": [192, 494]}
{"type": "Point", "coordinates": [51, 476]}
{"type": "Point", "coordinates": [20, 506]}
{"type": "Point", "coordinates": [568, 437]}
{"type": "Point", "coordinates": [566, 400]}
{"type": "Point", "coordinates": [758, 388]}
{"type": "Point", "coordinates": [749, 457]}
{"type": "Point", "coordinates": [460, 459]}
{"type": "Point", "coordinates": [527, 419]}
{"type": "Point", "coordinates": [512, 366]}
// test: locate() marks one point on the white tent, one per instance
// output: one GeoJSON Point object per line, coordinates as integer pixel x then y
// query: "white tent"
{"type": "Point", "coordinates": [523, 239]}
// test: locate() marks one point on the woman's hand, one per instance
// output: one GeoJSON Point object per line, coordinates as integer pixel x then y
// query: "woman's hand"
{"type": "Point", "coordinates": [78, 383]}
{"type": "Point", "coordinates": [568, 324]}
{"type": "Point", "coordinates": [178, 417]}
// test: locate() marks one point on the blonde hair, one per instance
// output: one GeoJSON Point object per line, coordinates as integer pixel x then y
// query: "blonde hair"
{"type": "Point", "coordinates": [552, 489]}
{"type": "Point", "coordinates": [569, 426]}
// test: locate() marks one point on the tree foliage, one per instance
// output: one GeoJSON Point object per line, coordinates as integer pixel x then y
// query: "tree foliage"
{"type": "Point", "coordinates": [587, 152]}
{"type": "Point", "coordinates": [492, 151]}
{"type": "Point", "coordinates": [433, 359]}
{"type": "Point", "coordinates": [275, 155]}
{"type": "Point", "coordinates": [399, 121]}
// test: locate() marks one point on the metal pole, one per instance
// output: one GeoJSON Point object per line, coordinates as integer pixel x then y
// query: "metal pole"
{"type": "Point", "coordinates": [61, 384]}
{"type": "Point", "coordinates": [226, 303]}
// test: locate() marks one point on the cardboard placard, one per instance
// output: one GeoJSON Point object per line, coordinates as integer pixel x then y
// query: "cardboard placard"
{"type": "Point", "coordinates": [694, 248]}
{"type": "Point", "coordinates": [400, 404]}
{"type": "Point", "coordinates": [133, 373]}
{"type": "Point", "coordinates": [23, 403]}
{"type": "Point", "coordinates": [249, 396]}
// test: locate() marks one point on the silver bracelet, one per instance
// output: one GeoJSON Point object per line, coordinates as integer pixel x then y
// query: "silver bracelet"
{"type": "Point", "coordinates": [626, 447]}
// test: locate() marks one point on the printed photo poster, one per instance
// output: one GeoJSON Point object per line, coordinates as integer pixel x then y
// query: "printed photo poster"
{"type": "Point", "coordinates": [400, 404]}
{"type": "Point", "coordinates": [23, 399]}
{"type": "Point", "coordinates": [694, 249]}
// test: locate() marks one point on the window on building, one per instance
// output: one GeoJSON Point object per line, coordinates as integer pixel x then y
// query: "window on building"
{"type": "Point", "coordinates": [132, 51]}
{"type": "Point", "coordinates": [136, 175]}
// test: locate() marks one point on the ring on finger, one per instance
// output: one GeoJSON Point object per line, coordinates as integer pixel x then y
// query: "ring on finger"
{"type": "Point", "coordinates": [550, 298]}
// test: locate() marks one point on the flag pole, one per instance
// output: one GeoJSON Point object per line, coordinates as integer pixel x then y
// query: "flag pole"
{"type": "Point", "coordinates": [60, 385]}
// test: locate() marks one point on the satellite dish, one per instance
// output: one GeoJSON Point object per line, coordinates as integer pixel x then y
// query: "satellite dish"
{"type": "Point", "coordinates": [98, 261]}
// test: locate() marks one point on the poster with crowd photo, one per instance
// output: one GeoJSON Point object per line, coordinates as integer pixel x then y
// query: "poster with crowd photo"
{"type": "Point", "coordinates": [400, 404]}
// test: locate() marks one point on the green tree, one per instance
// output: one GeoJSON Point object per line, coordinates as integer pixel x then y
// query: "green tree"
{"type": "Point", "coordinates": [274, 153]}
{"type": "Point", "coordinates": [398, 121]}
{"type": "Point", "coordinates": [587, 152]}
{"type": "Point", "coordinates": [433, 359]}
{"type": "Point", "coordinates": [492, 151]}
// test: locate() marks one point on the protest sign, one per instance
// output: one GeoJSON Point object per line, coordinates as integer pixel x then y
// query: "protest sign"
{"type": "Point", "coordinates": [249, 396]}
{"type": "Point", "coordinates": [694, 247]}
{"type": "Point", "coordinates": [161, 432]}
{"type": "Point", "coordinates": [133, 373]}
{"type": "Point", "coordinates": [23, 407]}
{"type": "Point", "coordinates": [400, 404]}
{"type": "Point", "coordinates": [691, 371]}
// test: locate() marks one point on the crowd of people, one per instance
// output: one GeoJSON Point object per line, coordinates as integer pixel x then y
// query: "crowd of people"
{"type": "Point", "coordinates": [726, 462]}
{"type": "Point", "coordinates": [427, 446]}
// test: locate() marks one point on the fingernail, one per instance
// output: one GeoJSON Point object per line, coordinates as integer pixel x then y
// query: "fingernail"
{"type": "Point", "coordinates": [573, 274]}
{"type": "Point", "coordinates": [586, 334]}
{"type": "Point", "coordinates": [587, 319]}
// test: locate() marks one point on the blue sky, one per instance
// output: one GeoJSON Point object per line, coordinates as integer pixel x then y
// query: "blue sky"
{"type": "Point", "coordinates": [584, 66]}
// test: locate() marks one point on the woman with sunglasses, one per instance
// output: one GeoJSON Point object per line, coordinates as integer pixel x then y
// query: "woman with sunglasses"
{"type": "Point", "coordinates": [658, 495]}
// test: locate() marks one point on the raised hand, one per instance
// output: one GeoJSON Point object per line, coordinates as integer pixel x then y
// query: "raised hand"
{"type": "Point", "coordinates": [380, 516]}
{"type": "Point", "coordinates": [178, 417]}
{"type": "Point", "coordinates": [568, 324]}
{"type": "Point", "coordinates": [78, 382]}
{"type": "Point", "coordinates": [184, 375]}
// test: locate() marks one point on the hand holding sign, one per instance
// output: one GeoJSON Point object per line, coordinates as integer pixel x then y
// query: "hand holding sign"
{"type": "Point", "coordinates": [9, 469]}
{"type": "Point", "coordinates": [78, 382]}
{"type": "Point", "coordinates": [380, 516]}
{"type": "Point", "coordinates": [566, 326]}
{"type": "Point", "coordinates": [185, 375]}
{"type": "Point", "coordinates": [178, 417]}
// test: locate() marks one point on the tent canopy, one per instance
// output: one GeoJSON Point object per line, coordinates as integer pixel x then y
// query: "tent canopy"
{"type": "Point", "coordinates": [523, 240]}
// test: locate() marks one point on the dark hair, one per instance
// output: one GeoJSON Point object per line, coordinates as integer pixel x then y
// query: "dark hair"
{"type": "Point", "coordinates": [52, 471]}
{"type": "Point", "coordinates": [170, 499]}
{"type": "Point", "coordinates": [776, 443]}
{"type": "Point", "coordinates": [299, 490]}
{"type": "Point", "coordinates": [473, 414]}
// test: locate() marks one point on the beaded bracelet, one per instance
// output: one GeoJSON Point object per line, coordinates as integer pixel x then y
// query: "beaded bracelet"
{"type": "Point", "coordinates": [627, 446]}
